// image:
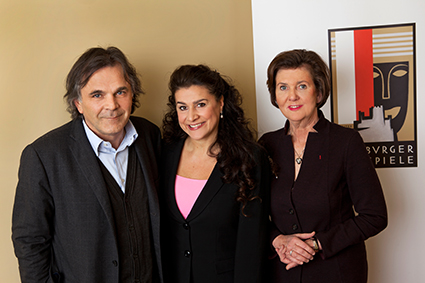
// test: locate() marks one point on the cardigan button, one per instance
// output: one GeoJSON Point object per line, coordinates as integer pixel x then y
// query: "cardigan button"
{"type": "Point", "coordinates": [187, 253]}
{"type": "Point", "coordinates": [294, 227]}
{"type": "Point", "coordinates": [186, 226]}
{"type": "Point", "coordinates": [115, 263]}
{"type": "Point", "coordinates": [291, 211]}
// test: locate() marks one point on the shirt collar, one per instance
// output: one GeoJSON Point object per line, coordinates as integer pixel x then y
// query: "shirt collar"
{"type": "Point", "coordinates": [319, 126]}
{"type": "Point", "coordinates": [96, 142]}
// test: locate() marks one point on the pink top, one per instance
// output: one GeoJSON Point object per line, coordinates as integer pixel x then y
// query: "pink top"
{"type": "Point", "coordinates": [187, 191]}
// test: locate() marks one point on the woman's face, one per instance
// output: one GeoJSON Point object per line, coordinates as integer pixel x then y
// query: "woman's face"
{"type": "Point", "coordinates": [198, 112]}
{"type": "Point", "coordinates": [296, 95]}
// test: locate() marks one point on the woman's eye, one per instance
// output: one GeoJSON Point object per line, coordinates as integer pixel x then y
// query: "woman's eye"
{"type": "Point", "coordinates": [303, 86]}
{"type": "Point", "coordinates": [201, 104]}
{"type": "Point", "coordinates": [182, 108]}
{"type": "Point", "coordinates": [282, 87]}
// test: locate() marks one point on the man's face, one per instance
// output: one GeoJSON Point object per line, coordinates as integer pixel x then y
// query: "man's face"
{"type": "Point", "coordinates": [105, 103]}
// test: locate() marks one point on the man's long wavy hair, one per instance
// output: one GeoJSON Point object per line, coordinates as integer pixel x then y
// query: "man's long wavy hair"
{"type": "Point", "coordinates": [235, 138]}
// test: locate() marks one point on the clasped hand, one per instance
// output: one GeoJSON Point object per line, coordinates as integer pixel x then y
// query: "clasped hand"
{"type": "Point", "coordinates": [295, 249]}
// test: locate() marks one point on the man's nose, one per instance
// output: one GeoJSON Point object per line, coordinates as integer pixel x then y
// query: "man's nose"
{"type": "Point", "coordinates": [111, 102]}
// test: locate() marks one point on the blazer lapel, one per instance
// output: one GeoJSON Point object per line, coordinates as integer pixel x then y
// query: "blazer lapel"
{"type": "Point", "coordinates": [213, 185]}
{"type": "Point", "coordinates": [148, 162]}
{"type": "Point", "coordinates": [316, 154]}
{"type": "Point", "coordinates": [88, 162]}
{"type": "Point", "coordinates": [170, 164]}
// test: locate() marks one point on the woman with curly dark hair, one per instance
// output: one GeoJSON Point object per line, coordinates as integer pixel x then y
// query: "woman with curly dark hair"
{"type": "Point", "coordinates": [215, 189]}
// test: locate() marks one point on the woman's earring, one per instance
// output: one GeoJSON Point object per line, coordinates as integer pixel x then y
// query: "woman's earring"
{"type": "Point", "coordinates": [221, 115]}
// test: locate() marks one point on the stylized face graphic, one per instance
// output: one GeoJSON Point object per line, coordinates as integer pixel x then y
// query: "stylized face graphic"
{"type": "Point", "coordinates": [391, 89]}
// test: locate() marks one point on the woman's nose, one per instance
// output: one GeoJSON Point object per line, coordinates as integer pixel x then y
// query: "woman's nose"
{"type": "Point", "coordinates": [292, 95]}
{"type": "Point", "coordinates": [192, 114]}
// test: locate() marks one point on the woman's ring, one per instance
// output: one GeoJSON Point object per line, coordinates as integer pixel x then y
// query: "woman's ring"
{"type": "Point", "coordinates": [290, 253]}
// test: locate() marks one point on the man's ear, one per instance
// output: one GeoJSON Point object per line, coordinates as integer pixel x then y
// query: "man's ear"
{"type": "Point", "coordinates": [77, 104]}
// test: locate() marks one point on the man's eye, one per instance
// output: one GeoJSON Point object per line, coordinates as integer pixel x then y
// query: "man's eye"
{"type": "Point", "coordinates": [97, 95]}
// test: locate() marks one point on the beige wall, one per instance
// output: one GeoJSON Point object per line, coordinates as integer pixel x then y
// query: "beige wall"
{"type": "Point", "coordinates": [40, 40]}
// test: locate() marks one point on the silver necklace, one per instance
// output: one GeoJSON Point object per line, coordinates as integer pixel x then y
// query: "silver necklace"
{"type": "Point", "coordinates": [299, 158]}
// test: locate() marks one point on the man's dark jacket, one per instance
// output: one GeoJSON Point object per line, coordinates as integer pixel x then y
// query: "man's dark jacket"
{"type": "Point", "coordinates": [63, 222]}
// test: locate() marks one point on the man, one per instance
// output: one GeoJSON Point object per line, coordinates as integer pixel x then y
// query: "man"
{"type": "Point", "coordinates": [86, 207]}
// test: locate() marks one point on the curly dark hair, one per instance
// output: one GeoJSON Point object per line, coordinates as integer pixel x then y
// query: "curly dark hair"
{"type": "Point", "coordinates": [235, 137]}
{"type": "Point", "coordinates": [91, 61]}
{"type": "Point", "coordinates": [296, 58]}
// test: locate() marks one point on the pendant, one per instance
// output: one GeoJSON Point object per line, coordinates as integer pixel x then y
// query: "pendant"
{"type": "Point", "coordinates": [298, 160]}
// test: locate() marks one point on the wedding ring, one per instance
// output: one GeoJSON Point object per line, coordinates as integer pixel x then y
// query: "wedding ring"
{"type": "Point", "coordinates": [290, 253]}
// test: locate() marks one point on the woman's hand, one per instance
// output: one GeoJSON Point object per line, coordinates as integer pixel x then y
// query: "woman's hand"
{"type": "Point", "coordinates": [279, 244]}
{"type": "Point", "coordinates": [292, 249]}
{"type": "Point", "coordinates": [310, 242]}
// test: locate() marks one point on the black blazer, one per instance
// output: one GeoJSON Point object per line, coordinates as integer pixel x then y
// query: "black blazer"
{"type": "Point", "coordinates": [216, 243]}
{"type": "Point", "coordinates": [336, 174]}
{"type": "Point", "coordinates": [62, 217]}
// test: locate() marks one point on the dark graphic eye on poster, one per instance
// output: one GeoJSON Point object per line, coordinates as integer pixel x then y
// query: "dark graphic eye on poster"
{"type": "Point", "coordinates": [374, 89]}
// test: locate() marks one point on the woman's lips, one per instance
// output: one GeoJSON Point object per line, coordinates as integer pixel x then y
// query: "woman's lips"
{"type": "Point", "coordinates": [294, 107]}
{"type": "Point", "coordinates": [196, 126]}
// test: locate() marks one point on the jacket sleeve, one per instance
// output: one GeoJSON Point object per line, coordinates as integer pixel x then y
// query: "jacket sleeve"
{"type": "Point", "coordinates": [32, 219]}
{"type": "Point", "coordinates": [253, 231]}
{"type": "Point", "coordinates": [367, 197]}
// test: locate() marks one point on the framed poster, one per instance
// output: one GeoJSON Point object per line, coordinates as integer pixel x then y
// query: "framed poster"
{"type": "Point", "coordinates": [373, 90]}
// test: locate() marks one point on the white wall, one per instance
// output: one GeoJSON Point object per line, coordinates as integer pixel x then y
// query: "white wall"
{"type": "Point", "coordinates": [398, 253]}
